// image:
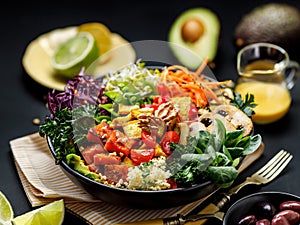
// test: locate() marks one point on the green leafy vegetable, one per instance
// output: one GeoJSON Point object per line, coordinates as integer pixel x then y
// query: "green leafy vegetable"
{"type": "Point", "coordinates": [224, 176]}
{"type": "Point", "coordinates": [213, 156]}
{"type": "Point", "coordinates": [245, 105]}
{"type": "Point", "coordinates": [60, 130]}
{"type": "Point", "coordinates": [66, 128]}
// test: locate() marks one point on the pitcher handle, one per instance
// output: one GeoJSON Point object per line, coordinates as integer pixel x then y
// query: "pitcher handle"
{"type": "Point", "coordinates": [291, 73]}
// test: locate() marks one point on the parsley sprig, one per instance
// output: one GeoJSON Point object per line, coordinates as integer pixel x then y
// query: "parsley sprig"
{"type": "Point", "coordinates": [246, 105]}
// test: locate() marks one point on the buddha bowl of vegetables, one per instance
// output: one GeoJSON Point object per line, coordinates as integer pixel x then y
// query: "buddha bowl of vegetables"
{"type": "Point", "coordinates": [149, 137]}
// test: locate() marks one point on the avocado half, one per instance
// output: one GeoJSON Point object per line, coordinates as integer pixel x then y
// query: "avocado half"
{"type": "Point", "coordinates": [194, 36]}
{"type": "Point", "coordinates": [276, 23]}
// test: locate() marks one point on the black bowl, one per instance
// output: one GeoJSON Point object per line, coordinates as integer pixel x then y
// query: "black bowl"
{"type": "Point", "coordinates": [249, 205]}
{"type": "Point", "coordinates": [136, 198]}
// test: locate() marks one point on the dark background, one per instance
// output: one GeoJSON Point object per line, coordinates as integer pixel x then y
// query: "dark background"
{"type": "Point", "coordinates": [22, 99]}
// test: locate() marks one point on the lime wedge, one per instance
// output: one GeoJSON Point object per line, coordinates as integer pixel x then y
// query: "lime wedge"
{"type": "Point", "coordinates": [50, 214]}
{"type": "Point", "coordinates": [74, 54]}
{"type": "Point", "coordinates": [6, 211]}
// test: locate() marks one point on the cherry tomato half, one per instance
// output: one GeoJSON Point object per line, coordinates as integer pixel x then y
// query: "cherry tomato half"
{"type": "Point", "coordinates": [141, 155]}
{"type": "Point", "coordinates": [149, 139]}
{"type": "Point", "coordinates": [169, 136]}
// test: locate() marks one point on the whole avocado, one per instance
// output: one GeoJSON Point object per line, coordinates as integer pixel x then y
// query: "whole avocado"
{"type": "Point", "coordinates": [277, 23]}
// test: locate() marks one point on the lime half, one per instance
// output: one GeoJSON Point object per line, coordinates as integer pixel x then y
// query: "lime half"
{"type": "Point", "coordinates": [50, 214]}
{"type": "Point", "coordinates": [76, 53]}
{"type": "Point", "coordinates": [6, 211]}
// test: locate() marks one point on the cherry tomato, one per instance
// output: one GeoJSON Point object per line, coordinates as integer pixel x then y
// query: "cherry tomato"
{"type": "Point", "coordinates": [141, 155]}
{"type": "Point", "coordinates": [169, 136]}
{"type": "Point", "coordinates": [148, 139]}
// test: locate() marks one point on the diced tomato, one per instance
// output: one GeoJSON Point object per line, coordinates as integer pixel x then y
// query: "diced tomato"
{"type": "Point", "coordinates": [106, 159]}
{"type": "Point", "coordinates": [169, 136]}
{"type": "Point", "coordinates": [89, 152]}
{"type": "Point", "coordinates": [193, 112]}
{"type": "Point", "coordinates": [149, 139]}
{"type": "Point", "coordinates": [153, 106]}
{"type": "Point", "coordinates": [114, 173]}
{"type": "Point", "coordinates": [99, 132]}
{"type": "Point", "coordinates": [139, 156]}
{"type": "Point", "coordinates": [118, 142]}
{"type": "Point", "coordinates": [173, 183]}
{"type": "Point", "coordinates": [92, 136]}
{"type": "Point", "coordinates": [161, 99]}
{"type": "Point", "coordinates": [163, 90]}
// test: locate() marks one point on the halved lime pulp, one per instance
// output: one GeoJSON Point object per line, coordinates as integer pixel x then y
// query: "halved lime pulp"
{"type": "Point", "coordinates": [75, 54]}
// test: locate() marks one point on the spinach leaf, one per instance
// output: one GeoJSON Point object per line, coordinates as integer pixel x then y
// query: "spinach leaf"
{"type": "Point", "coordinates": [202, 141]}
{"type": "Point", "coordinates": [220, 131]}
{"type": "Point", "coordinates": [233, 137]}
{"type": "Point", "coordinates": [222, 175]}
{"type": "Point", "coordinates": [221, 159]}
{"type": "Point", "coordinates": [235, 152]}
{"type": "Point", "coordinates": [204, 160]}
{"type": "Point", "coordinates": [255, 142]}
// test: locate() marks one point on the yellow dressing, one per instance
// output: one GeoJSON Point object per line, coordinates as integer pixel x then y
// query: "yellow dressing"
{"type": "Point", "coordinates": [273, 101]}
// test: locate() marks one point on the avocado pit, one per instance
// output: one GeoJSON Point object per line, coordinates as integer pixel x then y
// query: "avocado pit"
{"type": "Point", "coordinates": [192, 30]}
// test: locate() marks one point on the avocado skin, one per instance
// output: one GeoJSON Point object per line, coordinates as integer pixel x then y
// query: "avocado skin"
{"type": "Point", "coordinates": [276, 23]}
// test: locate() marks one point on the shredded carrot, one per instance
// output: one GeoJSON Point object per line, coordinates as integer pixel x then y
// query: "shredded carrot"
{"type": "Point", "coordinates": [201, 67]}
{"type": "Point", "coordinates": [183, 82]}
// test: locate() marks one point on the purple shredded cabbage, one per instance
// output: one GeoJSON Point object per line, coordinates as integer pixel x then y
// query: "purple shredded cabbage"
{"type": "Point", "coordinates": [83, 89]}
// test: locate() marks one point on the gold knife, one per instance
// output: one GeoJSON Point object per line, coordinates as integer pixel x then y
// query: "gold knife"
{"type": "Point", "coordinates": [211, 210]}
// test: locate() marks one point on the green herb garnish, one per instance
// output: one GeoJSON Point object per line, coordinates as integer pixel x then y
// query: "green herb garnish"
{"type": "Point", "coordinates": [245, 105]}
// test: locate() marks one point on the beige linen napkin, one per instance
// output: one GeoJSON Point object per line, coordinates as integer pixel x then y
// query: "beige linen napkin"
{"type": "Point", "coordinates": [44, 182]}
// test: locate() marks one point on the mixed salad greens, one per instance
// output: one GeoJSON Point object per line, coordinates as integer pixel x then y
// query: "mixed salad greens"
{"type": "Point", "coordinates": [91, 126]}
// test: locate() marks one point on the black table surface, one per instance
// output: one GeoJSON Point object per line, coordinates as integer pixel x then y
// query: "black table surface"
{"type": "Point", "coordinates": [23, 100]}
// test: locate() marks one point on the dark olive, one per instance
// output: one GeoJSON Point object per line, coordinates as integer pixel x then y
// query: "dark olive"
{"type": "Point", "coordinates": [292, 216]}
{"type": "Point", "coordinates": [248, 220]}
{"type": "Point", "coordinates": [263, 222]}
{"type": "Point", "coordinates": [293, 205]}
{"type": "Point", "coordinates": [265, 210]}
{"type": "Point", "coordinates": [279, 220]}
